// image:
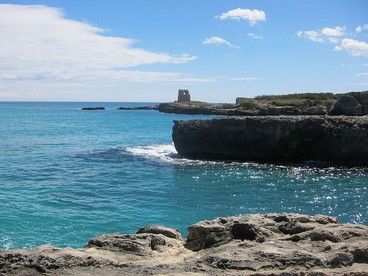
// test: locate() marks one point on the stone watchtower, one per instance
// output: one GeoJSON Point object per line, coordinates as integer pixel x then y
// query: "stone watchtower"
{"type": "Point", "coordinates": [183, 95]}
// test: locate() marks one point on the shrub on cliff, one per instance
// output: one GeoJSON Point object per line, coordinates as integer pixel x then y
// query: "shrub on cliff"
{"type": "Point", "coordinates": [247, 104]}
{"type": "Point", "coordinates": [225, 106]}
{"type": "Point", "coordinates": [301, 101]}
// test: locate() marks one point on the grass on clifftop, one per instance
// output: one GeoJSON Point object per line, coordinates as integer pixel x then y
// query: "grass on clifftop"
{"type": "Point", "coordinates": [301, 101]}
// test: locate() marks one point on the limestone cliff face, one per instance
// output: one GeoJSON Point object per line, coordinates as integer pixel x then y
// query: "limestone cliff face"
{"type": "Point", "coordinates": [342, 140]}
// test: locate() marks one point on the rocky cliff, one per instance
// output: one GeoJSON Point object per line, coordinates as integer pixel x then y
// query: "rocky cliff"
{"type": "Point", "coordinates": [341, 140]}
{"type": "Point", "coordinates": [272, 244]}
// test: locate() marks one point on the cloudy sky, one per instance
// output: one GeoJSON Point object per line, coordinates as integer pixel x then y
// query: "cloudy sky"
{"type": "Point", "coordinates": [129, 50]}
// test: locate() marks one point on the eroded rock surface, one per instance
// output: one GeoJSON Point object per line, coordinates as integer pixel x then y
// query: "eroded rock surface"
{"type": "Point", "coordinates": [271, 244]}
{"type": "Point", "coordinates": [347, 105]}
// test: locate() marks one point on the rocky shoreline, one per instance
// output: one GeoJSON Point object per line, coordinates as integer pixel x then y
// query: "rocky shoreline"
{"type": "Point", "coordinates": [271, 244]}
{"type": "Point", "coordinates": [336, 139]}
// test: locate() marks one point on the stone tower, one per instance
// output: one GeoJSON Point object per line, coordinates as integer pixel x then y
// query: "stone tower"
{"type": "Point", "coordinates": [183, 95]}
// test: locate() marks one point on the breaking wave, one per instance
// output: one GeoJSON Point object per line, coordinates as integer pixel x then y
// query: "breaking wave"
{"type": "Point", "coordinates": [162, 153]}
{"type": "Point", "coordinates": [166, 153]}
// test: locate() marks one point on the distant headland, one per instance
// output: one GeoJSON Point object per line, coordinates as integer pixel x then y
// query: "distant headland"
{"type": "Point", "coordinates": [349, 104]}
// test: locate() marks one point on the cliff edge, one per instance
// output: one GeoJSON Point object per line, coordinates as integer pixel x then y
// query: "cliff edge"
{"type": "Point", "coordinates": [271, 244]}
{"type": "Point", "coordinates": [336, 139]}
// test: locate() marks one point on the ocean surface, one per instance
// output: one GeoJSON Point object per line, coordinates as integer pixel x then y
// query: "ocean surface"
{"type": "Point", "coordinates": [68, 175]}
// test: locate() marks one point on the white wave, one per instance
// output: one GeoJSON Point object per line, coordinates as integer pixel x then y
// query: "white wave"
{"type": "Point", "coordinates": [166, 153]}
{"type": "Point", "coordinates": [6, 243]}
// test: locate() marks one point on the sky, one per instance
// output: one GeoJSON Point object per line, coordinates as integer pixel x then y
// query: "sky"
{"type": "Point", "coordinates": [146, 50]}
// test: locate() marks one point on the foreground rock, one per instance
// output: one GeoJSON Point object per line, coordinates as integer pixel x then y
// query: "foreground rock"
{"type": "Point", "coordinates": [273, 244]}
{"type": "Point", "coordinates": [337, 139]}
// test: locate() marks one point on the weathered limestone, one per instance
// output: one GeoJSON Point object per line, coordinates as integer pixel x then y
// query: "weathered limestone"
{"type": "Point", "coordinates": [351, 104]}
{"type": "Point", "coordinates": [278, 242]}
{"type": "Point", "coordinates": [362, 98]}
{"type": "Point", "coordinates": [336, 139]}
{"type": "Point", "coordinates": [346, 105]}
{"type": "Point", "coordinates": [271, 244]}
{"type": "Point", "coordinates": [158, 229]}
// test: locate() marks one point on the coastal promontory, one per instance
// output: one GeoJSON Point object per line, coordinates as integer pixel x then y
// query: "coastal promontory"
{"type": "Point", "coordinates": [269, 244]}
{"type": "Point", "coordinates": [335, 139]}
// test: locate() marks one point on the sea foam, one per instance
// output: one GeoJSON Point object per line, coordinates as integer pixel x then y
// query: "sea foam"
{"type": "Point", "coordinates": [164, 153]}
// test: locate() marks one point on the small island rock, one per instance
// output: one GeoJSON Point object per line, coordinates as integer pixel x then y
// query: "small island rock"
{"type": "Point", "coordinates": [93, 108]}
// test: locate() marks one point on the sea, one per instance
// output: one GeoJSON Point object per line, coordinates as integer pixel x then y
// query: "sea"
{"type": "Point", "coordinates": [68, 175]}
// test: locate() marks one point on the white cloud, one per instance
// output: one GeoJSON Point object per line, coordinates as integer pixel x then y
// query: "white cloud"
{"type": "Point", "coordinates": [219, 41]}
{"type": "Point", "coordinates": [253, 35]}
{"type": "Point", "coordinates": [311, 35]}
{"type": "Point", "coordinates": [353, 47]}
{"type": "Point", "coordinates": [334, 32]}
{"type": "Point", "coordinates": [336, 35]}
{"type": "Point", "coordinates": [253, 16]}
{"type": "Point", "coordinates": [246, 79]}
{"type": "Point", "coordinates": [327, 34]}
{"type": "Point", "coordinates": [361, 28]}
{"type": "Point", "coordinates": [362, 75]}
{"type": "Point", "coordinates": [359, 84]}
{"type": "Point", "coordinates": [39, 43]}
{"type": "Point", "coordinates": [132, 76]}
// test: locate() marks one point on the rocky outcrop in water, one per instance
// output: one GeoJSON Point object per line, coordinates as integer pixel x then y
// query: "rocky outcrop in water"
{"type": "Point", "coordinates": [154, 107]}
{"type": "Point", "coordinates": [272, 244]}
{"type": "Point", "coordinates": [191, 108]}
{"type": "Point", "coordinates": [336, 139]}
{"type": "Point", "coordinates": [93, 108]}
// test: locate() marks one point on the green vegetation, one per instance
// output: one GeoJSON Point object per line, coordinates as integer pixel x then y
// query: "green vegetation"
{"type": "Point", "coordinates": [301, 101]}
{"type": "Point", "coordinates": [225, 106]}
{"type": "Point", "coordinates": [248, 103]}
{"type": "Point", "coordinates": [195, 104]}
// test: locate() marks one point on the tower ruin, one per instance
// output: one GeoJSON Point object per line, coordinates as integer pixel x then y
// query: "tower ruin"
{"type": "Point", "coordinates": [183, 95]}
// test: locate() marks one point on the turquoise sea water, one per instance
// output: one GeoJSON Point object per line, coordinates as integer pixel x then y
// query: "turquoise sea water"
{"type": "Point", "coordinates": [68, 175]}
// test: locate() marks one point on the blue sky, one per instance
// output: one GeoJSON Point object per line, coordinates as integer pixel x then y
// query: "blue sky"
{"type": "Point", "coordinates": [129, 50]}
